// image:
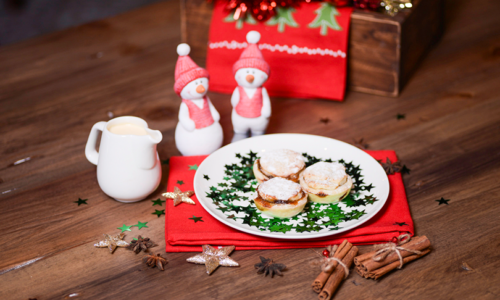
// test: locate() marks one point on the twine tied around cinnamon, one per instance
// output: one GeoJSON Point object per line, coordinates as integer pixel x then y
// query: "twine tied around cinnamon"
{"type": "Point", "coordinates": [327, 265]}
{"type": "Point", "coordinates": [388, 248]}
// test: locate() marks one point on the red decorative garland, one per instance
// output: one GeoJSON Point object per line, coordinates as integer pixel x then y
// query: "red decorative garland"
{"type": "Point", "coordinates": [263, 10]}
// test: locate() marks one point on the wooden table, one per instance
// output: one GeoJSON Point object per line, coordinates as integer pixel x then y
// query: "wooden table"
{"type": "Point", "coordinates": [54, 88]}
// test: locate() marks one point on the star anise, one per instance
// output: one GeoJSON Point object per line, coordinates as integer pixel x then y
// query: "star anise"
{"type": "Point", "coordinates": [268, 266]}
{"type": "Point", "coordinates": [152, 260]}
{"type": "Point", "coordinates": [391, 168]}
{"type": "Point", "coordinates": [141, 244]}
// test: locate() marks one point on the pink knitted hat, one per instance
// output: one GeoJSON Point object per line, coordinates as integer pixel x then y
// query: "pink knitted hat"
{"type": "Point", "coordinates": [251, 56]}
{"type": "Point", "coordinates": [186, 70]}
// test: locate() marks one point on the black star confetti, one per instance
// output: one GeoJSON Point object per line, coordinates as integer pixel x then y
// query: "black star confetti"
{"type": "Point", "coordinates": [401, 224]}
{"type": "Point", "coordinates": [159, 212]}
{"type": "Point", "coordinates": [81, 201]}
{"type": "Point", "coordinates": [206, 177]}
{"type": "Point", "coordinates": [158, 202]}
{"type": "Point", "coordinates": [401, 117]}
{"type": "Point", "coordinates": [180, 182]}
{"type": "Point", "coordinates": [196, 219]}
{"type": "Point", "coordinates": [443, 201]}
{"type": "Point", "coordinates": [165, 161]}
{"type": "Point", "coordinates": [324, 120]}
{"type": "Point", "coordinates": [405, 170]}
{"type": "Point", "coordinates": [361, 144]}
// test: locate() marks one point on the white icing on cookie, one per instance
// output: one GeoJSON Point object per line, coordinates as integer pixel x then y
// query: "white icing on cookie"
{"type": "Point", "coordinates": [279, 188]}
{"type": "Point", "coordinates": [282, 162]}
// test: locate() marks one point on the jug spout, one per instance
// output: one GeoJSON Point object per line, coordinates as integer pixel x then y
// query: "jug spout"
{"type": "Point", "coordinates": [155, 136]}
{"type": "Point", "coordinates": [147, 156]}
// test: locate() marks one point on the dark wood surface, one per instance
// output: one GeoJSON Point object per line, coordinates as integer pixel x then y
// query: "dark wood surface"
{"type": "Point", "coordinates": [383, 52]}
{"type": "Point", "coordinates": [54, 88]}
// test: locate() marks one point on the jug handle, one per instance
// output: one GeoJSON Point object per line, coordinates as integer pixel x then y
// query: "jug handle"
{"type": "Point", "coordinates": [90, 148]}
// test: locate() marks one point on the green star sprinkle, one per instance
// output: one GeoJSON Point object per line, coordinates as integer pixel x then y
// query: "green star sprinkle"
{"type": "Point", "coordinates": [369, 187]}
{"type": "Point", "coordinates": [141, 224]}
{"type": "Point", "coordinates": [158, 202]}
{"type": "Point", "coordinates": [401, 116]}
{"type": "Point", "coordinates": [166, 161]}
{"type": "Point", "coordinates": [81, 201]}
{"type": "Point", "coordinates": [193, 167]}
{"type": "Point", "coordinates": [196, 219]}
{"type": "Point", "coordinates": [443, 201]}
{"type": "Point", "coordinates": [252, 155]}
{"type": "Point", "coordinates": [125, 228]}
{"type": "Point", "coordinates": [180, 182]}
{"type": "Point", "coordinates": [206, 177]}
{"type": "Point", "coordinates": [401, 224]}
{"type": "Point", "coordinates": [159, 212]}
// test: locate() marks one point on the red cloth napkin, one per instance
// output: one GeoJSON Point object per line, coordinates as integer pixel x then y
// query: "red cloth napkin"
{"type": "Point", "coordinates": [306, 49]}
{"type": "Point", "coordinates": [184, 235]}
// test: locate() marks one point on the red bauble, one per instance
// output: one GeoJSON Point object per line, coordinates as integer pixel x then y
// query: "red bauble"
{"type": "Point", "coordinates": [326, 253]}
{"type": "Point", "coordinates": [263, 10]}
{"type": "Point", "coordinates": [367, 4]}
{"type": "Point", "coordinates": [339, 3]}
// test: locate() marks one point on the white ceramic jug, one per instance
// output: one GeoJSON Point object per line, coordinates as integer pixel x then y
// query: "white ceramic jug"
{"type": "Point", "coordinates": [128, 166]}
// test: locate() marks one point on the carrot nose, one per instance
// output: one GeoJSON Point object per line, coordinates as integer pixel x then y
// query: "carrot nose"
{"type": "Point", "coordinates": [250, 78]}
{"type": "Point", "coordinates": [200, 89]}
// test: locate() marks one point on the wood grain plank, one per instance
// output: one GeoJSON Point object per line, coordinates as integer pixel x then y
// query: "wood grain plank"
{"type": "Point", "coordinates": [51, 94]}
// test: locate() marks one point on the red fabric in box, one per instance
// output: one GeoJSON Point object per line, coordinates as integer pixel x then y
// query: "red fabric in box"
{"type": "Point", "coordinates": [184, 235]}
{"type": "Point", "coordinates": [318, 72]}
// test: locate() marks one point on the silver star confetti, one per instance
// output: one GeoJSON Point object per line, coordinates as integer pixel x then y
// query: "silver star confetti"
{"type": "Point", "coordinates": [213, 258]}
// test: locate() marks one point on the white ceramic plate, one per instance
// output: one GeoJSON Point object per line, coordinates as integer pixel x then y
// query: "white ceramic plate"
{"type": "Point", "coordinates": [318, 146]}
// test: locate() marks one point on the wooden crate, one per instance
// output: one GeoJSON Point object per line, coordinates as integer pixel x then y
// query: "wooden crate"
{"type": "Point", "coordinates": [383, 50]}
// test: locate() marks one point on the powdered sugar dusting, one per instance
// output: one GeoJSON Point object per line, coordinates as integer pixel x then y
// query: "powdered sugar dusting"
{"type": "Point", "coordinates": [280, 188]}
{"type": "Point", "coordinates": [327, 171]}
{"type": "Point", "coordinates": [282, 162]}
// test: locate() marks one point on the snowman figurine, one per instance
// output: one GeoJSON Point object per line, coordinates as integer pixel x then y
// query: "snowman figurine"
{"type": "Point", "coordinates": [250, 101]}
{"type": "Point", "coordinates": [198, 131]}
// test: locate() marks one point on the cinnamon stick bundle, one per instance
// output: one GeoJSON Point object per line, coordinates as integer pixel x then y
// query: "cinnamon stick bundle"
{"type": "Point", "coordinates": [369, 268]}
{"type": "Point", "coordinates": [340, 253]}
{"type": "Point", "coordinates": [337, 276]}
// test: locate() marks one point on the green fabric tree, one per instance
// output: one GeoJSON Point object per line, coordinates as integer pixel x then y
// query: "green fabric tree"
{"type": "Point", "coordinates": [239, 23]}
{"type": "Point", "coordinates": [325, 18]}
{"type": "Point", "coordinates": [282, 18]}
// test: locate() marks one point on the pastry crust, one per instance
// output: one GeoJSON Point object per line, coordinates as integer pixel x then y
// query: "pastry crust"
{"type": "Point", "coordinates": [282, 163]}
{"type": "Point", "coordinates": [326, 182]}
{"type": "Point", "coordinates": [280, 198]}
{"type": "Point", "coordinates": [281, 210]}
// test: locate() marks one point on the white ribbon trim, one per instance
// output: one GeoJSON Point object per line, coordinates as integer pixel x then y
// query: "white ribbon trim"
{"type": "Point", "coordinates": [281, 48]}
